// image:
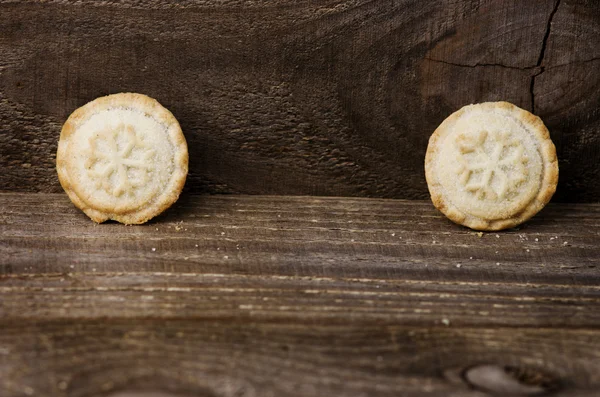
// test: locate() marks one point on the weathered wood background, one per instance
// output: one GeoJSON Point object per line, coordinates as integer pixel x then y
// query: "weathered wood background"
{"type": "Point", "coordinates": [322, 97]}
{"type": "Point", "coordinates": [238, 296]}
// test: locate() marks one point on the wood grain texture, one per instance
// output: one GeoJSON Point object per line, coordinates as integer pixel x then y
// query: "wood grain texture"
{"type": "Point", "coordinates": [265, 296]}
{"type": "Point", "coordinates": [319, 97]}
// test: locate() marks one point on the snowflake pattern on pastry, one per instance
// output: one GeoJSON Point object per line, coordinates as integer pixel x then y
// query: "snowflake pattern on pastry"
{"type": "Point", "coordinates": [118, 160]}
{"type": "Point", "coordinates": [491, 164]}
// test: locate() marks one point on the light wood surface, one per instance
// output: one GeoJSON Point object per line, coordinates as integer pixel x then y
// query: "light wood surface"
{"type": "Point", "coordinates": [298, 296]}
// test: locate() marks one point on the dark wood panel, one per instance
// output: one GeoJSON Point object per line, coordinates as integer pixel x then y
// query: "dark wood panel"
{"type": "Point", "coordinates": [295, 97]}
{"type": "Point", "coordinates": [265, 296]}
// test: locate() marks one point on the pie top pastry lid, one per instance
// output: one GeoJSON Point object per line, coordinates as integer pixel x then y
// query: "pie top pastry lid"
{"type": "Point", "coordinates": [122, 157]}
{"type": "Point", "coordinates": [491, 166]}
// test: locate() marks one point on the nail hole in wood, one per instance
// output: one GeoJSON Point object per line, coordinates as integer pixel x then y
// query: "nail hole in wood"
{"type": "Point", "coordinates": [510, 381]}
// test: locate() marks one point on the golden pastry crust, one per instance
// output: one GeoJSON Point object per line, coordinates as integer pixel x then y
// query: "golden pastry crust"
{"type": "Point", "coordinates": [122, 157]}
{"type": "Point", "coordinates": [491, 166]}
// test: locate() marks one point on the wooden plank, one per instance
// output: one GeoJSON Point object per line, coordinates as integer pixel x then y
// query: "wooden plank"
{"type": "Point", "coordinates": [235, 358]}
{"type": "Point", "coordinates": [356, 238]}
{"type": "Point", "coordinates": [319, 97]}
{"type": "Point", "coordinates": [264, 296]}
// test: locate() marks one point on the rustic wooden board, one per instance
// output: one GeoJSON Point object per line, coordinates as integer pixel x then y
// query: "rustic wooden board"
{"type": "Point", "coordinates": [322, 97]}
{"type": "Point", "coordinates": [265, 296]}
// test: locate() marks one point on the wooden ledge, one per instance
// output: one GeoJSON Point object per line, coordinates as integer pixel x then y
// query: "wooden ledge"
{"type": "Point", "coordinates": [304, 296]}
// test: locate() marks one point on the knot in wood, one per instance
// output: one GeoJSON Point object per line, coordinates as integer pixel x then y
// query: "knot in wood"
{"type": "Point", "coordinates": [510, 381]}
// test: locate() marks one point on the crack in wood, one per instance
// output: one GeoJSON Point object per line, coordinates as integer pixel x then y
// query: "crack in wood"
{"type": "Point", "coordinates": [475, 65]}
{"type": "Point", "coordinates": [537, 69]}
{"type": "Point", "coordinates": [542, 53]}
